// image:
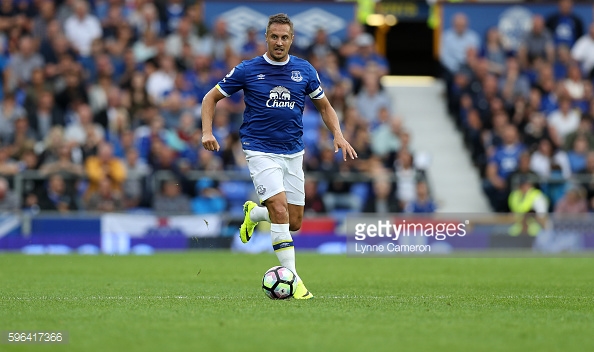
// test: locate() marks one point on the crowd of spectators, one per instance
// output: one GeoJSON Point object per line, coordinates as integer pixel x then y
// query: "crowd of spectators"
{"type": "Point", "coordinates": [100, 95]}
{"type": "Point", "coordinates": [526, 112]}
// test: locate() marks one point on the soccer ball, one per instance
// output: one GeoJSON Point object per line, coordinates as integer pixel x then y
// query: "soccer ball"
{"type": "Point", "coordinates": [279, 283]}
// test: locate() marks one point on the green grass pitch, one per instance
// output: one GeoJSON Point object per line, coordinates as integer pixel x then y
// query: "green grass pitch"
{"type": "Point", "coordinates": [212, 301]}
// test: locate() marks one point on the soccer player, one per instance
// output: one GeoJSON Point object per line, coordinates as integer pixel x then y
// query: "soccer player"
{"type": "Point", "coordinates": [275, 87]}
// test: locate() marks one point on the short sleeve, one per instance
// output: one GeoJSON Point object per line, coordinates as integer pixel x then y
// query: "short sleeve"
{"type": "Point", "coordinates": [233, 81]}
{"type": "Point", "coordinates": [314, 86]}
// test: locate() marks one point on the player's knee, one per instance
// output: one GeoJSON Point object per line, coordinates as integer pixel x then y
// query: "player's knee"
{"type": "Point", "coordinates": [278, 211]}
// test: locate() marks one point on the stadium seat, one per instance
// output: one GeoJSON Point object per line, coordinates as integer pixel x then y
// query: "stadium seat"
{"type": "Point", "coordinates": [360, 190]}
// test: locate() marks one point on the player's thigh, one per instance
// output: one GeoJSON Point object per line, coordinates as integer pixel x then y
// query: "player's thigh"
{"type": "Point", "coordinates": [266, 174]}
{"type": "Point", "coordinates": [294, 181]}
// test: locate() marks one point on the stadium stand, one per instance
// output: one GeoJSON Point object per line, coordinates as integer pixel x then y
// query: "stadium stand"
{"type": "Point", "coordinates": [101, 101]}
{"type": "Point", "coordinates": [526, 113]}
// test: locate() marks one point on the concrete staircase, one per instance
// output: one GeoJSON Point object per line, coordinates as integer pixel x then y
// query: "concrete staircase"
{"type": "Point", "coordinates": [455, 183]}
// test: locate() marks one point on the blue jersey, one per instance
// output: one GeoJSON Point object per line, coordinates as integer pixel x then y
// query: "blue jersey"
{"type": "Point", "coordinates": [507, 159]}
{"type": "Point", "coordinates": [274, 95]}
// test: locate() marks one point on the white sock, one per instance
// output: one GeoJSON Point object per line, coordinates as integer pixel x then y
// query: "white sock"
{"type": "Point", "coordinates": [282, 242]}
{"type": "Point", "coordinates": [259, 214]}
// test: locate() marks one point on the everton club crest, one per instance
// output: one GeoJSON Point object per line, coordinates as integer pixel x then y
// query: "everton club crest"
{"type": "Point", "coordinates": [296, 76]}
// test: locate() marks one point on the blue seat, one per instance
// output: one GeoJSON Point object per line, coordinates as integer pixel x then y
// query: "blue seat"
{"type": "Point", "coordinates": [360, 190]}
{"type": "Point", "coordinates": [235, 191]}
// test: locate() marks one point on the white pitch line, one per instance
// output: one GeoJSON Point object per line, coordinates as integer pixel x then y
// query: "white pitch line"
{"type": "Point", "coordinates": [346, 297]}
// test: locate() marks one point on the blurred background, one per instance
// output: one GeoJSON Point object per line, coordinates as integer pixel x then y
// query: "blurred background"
{"type": "Point", "coordinates": [453, 107]}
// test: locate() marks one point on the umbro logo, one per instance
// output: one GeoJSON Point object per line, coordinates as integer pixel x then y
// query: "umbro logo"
{"type": "Point", "coordinates": [261, 76]}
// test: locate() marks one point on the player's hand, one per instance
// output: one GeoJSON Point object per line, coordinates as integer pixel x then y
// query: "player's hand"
{"type": "Point", "coordinates": [209, 142]}
{"type": "Point", "coordinates": [341, 143]}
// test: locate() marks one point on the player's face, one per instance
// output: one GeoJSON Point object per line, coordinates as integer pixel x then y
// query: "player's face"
{"type": "Point", "coordinates": [279, 39]}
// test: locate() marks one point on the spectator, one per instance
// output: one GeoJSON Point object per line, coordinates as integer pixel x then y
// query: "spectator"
{"type": "Point", "coordinates": [322, 46]}
{"type": "Point", "coordinates": [423, 202]}
{"type": "Point", "coordinates": [105, 166]}
{"type": "Point", "coordinates": [73, 94]}
{"type": "Point", "coordinates": [514, 84]}
{"type": "Point", "coordinates": [113, 118]}
{"type": "Point", "coordinates": [535, 130]}
{"type": "Point", "coordinates": [546, 161]}
{"type": "Point", "coordinates": [383, 197]}
{"type": "Point", "coordinates": [23, 138]}
{"type": "Point", "coordinates": [502, 164]}
{"type": "Point", "coordinates": [174, 10]}
{"type": "Point", "coordinates": [577, 154]}
{"type": "Point", "coordinates": [81, 28]}
{"type": "Point", "coordinates": [565, 26]}
{"type": "Point", "coordinates": [220, 43]}
{"type": "Point", "coordinates": [586, 176]}
{"type": "Point", "coordinates": [24, 62]}
{"type": "Point", "coordinates": [35, 89]}
{"type": "Point", "coordinates": [9, 201]}
{"type": "Point", "coordinates": [365, 56]}
{"type": "Point", "coordinates": [252, 46]}
{"type": "Point", "coordinates": [385, 139]}
{"type": "Point", "coordinates": [146, 48]}
{"type": "Point", "coordinates": [170, 200]}
{"type": "Point", "coordinates": [562, 62]}
{"type": "Point", "coordinates": [196, 15]}
{"type": "Point", "coordinates": [78, 132]}
{"type": "Point", "coordinates": [407, 177]}
{"type": "Point", "coordinates": [455, 43]}
{"type": "Point", "coordinates": [349, 45]}
{"type": "Point", "coordinates": [105, 199]}
{"type": "Point", "coordinates": [563, 122]}
{"type": "Point", "coordinates": [146, 19]}
{"type": "Point", "coordinates": [232, 155]}
{"type": "Point", "coordinates": [63, 165]}
{"type": "Point", "coordinates": [161, 81]}
{"type": "Point", "coordinates": [523, 172]}
{"type": "Point", "coordinates": [338, 195]}
{"type": "Point", "coordinates": [209, 199]}
{"type": "Point", "coordinates": [574, 85]}
{"type": "Point", "coordinates": [537, 44]}
{"type": "Point", "coordinates": [137, 172]}
{"type": "Point", "coordinates": [8, 166]}
{"type": "Point", "coordinates": [9, 112]}
{"type": "Point", "coordinates": [111, 17]}
{"type": "Point", "coordinates": [120, 45]}
{"type": "Point", "coordinates": [584, 130]}
{"type": "Point", "coordinates": [371, 99]}
{"type": "Point", "coordinates": [56, 197]}
{"type": "Point", "coordinates": [573, 202]}
{"type": "Point", "coordinates": [47, 12]}
{"type": "Point", "coordinates": [314, 203]}
{"type": "Point", "coordinates": [183, 35]}
{"type": "Point", "coordinates": [494, 52]}
{"type": "Point", "coordinates": [583, 52]}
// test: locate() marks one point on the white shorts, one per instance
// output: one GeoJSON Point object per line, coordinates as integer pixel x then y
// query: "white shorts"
{"type": "Point", "coordinates": [276, 173]}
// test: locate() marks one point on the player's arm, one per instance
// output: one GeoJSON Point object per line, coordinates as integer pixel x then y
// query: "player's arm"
{"type": "Point", "coordinates": [331, 120]}
{"type": "Point", "coordinates": [208, 109]}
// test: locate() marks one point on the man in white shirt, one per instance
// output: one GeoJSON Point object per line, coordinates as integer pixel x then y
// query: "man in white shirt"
{"type": "Point", "coordinates": [82, 29]}
{"type": "Point", "coordinates": [456, 42]}
{"type": "Point", "coordinates": [78, 131]}
{"type": "Point", "coordinates": [563, 121]}
{"type": "Point", "coordinates": [583, 52]}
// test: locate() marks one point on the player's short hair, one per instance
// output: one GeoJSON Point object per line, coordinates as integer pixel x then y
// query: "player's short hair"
{"type": "Point", "coordinates": [279, 18]}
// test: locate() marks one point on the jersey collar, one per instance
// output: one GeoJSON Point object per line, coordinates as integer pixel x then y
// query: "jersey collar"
{"type": "Point", "coordinates": [276, 62]}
